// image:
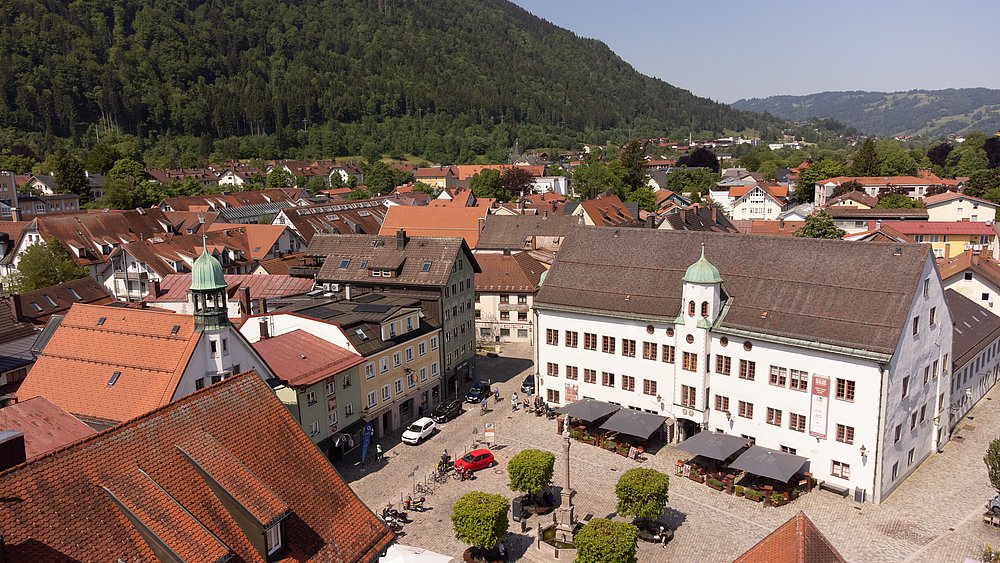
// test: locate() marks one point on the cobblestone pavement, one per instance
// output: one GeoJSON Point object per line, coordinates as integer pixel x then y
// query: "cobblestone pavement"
{"type": "Point", "coordinates": [935, 516]}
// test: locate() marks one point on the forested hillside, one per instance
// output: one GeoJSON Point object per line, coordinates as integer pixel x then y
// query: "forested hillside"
{"type": "Point", "coordinates": [447, 77]}
{"type": "Point", "coordinates": [916, 112]}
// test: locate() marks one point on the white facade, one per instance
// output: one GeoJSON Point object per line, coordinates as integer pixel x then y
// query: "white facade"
{"type": "Point", "coordinates": [708, 375]}
{"type": "Point", "coordinates": [756, 205]}
{"type": "Point", "coordinates": [218, 355]}
{"type": "Point", "coordinates": [976, 288]}
{"type": "Point", "coordinates": [556, 184]}
{"type": "Point", "coordinates": [971, 382]}
{"type": "Point", "coordinates": [962, 209]}
{"type": "Point", "coordinates": [504, 317]}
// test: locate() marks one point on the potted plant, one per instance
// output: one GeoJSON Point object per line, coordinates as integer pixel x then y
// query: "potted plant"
{"type": "Point", "coordinates": [729, 485]}
{"type": "Point", "coordinates": [714, 483]}
{"type": "Point", "coordinates": [796, 493]}
{"type": "Point", "coordinates": [610, 445]}
{"type": "Point", "coordinates": [777, 499]}
{"type": "Point", "coordinates": [753, 495]}
{"type": "Point", "coordinates": [587, 437]}
{"type": "Point", "coordinates": [739, 490]}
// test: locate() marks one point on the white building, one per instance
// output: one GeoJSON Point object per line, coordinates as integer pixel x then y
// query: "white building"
{"type": "Point", "coordinates": [556, 184]}
{"type": "Point", "coordinates": [505, 291]}
{"type": "Point", "coordinates": [825, 349]}
{"type": "Point", "coordinates": [976, 354]}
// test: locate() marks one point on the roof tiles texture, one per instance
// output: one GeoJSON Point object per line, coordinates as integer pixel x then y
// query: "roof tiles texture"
{"type": "Point", "coordinates": [40, 304]}
{"type": "Point", "coordinates": [46, 427]}
{"type": "Point", "coordinates": [942, 227]}
{"type": "Point", "coordinates": [796, 541]}
{"type": "Point", "coordinates": [235, 199]}
{"type": "Point", "coordinates": [260, 238]}
{"type": "Point", "coordinates": [518, 273]}
{"type": "Point", "coordinates": [436, 222]}
{"type": "Point", "coordinates": [974, 328]}
{"type": "Point", "coordinates": [301, 359]}
{"type": "Point", "coordinates": [810, 289]}
{"type": "Point", "coordinates": [352, 217]}
{"type": "Point", "coordinates": [175, 287]}
{"type": "Point", "coordinates": [510, 232]}
{"type": "Point", "coordinates": [237, 428]}
{"type": "Point", "coordinates": [76, 366]}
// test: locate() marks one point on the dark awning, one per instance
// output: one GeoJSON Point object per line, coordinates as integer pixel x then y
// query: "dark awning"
{"type": "Point", "coordinates": [713, 445]}
{"type": "Point", "coordinates": [766, 462]}
{"type": "Point", "coordinates": [588, 409]}
{"type": "Point", "coordinates": [634, 423]}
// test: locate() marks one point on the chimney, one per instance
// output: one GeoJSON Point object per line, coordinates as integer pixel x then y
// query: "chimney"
{"type": "Point", "coordinates": [18, 310]}
{"type": "Point", "coordinates": [878, 224]}
{"type": "Point", "coordinates": [15, 214]}
{"type": "Point", "coordinates": [506, 252]}
{"type": "Point", "coordinates": [715, 215]}
{"type": "Point", "coordinates": [245, 301]}
{"type": "Point", "coordinates": [347, 292]}
{"type": "Point", "coordinates": [650, 221]}
{"type": "Point", "coordinates": [781, 222]}
{"type": "Point", "coordinates": [154, 288]}
{"type": "Point", "coordinates": [11, 449]}
{"type": "Point", "coordinates": [400, 239]}
{"type": "Point", "coordinates": [683, 215]}
{"type": "Point", "coordinates": [482, 224]}
{"type": "Point", "coordinates": [261, 306]}
{"type": "Point", "coordinates": [264, 334]}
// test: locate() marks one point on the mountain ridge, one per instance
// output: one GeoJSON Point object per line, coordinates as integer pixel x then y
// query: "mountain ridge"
{"type": "Point", "coordinates": [929, 113]}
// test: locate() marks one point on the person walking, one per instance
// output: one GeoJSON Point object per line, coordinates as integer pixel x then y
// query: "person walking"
{"type": "Point", "coordinates": [378, 452]}
{"type": "Point", "coordinates": [513, 402]}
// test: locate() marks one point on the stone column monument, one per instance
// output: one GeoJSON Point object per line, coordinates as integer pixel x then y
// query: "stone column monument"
{"type": "Point", "coordinates": [565, 520]}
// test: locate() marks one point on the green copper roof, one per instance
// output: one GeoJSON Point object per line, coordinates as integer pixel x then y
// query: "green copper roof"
{"type": "Point", "coordinates": [206, 274]}
{"type": "Point", "coordinates": [702, 271]}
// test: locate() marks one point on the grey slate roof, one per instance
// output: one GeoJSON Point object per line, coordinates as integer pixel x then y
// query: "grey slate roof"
{"type": "Point", "coordinates": [838, 212]}
{"type": "Point", "coordinates": [820, 291]}
{"type": "Point", "coordinates": [366, 251]}
{"type": "Point", "coordinates": [699, 218]}
{"type": "Point", "coordinates": [253, 210]}
{"type": "Point", "coordinates": [973, 327]}
{"type": "Point", "coordinates": [508, 232]}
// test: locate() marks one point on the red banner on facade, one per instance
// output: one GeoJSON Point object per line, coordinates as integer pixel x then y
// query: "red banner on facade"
{"type": "Point", "coordinates": [819, 406]}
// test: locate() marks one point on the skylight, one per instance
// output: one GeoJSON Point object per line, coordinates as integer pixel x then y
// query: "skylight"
{"type": "Point", "coordinates": [75, 294]}
{"type": "Point", "coordinates": [345, 262]}
{"type": "Point", "coordinates": [50, 300]}
{"type": "Point", "coordinates": [114, 378]}
{"type": "Point", "coordinates": [36, 306]}
{"type": "Point", "coordinates": [361, 334]}
{"type": "Point", "coordinates": [100, 321]}
{"type": "Point", "coordinates": [426, 267]}
{"type": "Point", "coordinates": [175, 329]}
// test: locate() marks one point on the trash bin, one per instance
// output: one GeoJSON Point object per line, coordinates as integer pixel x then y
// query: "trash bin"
{"type": "Point", "coordinates": [559, 425]}
{"type": "Point", "coordinates": [515, 508]}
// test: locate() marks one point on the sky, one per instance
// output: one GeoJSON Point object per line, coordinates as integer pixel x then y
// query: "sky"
{"type": "Point", "coordinates": [727, 50]}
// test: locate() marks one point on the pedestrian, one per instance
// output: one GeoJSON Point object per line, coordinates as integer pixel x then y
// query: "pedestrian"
{"type": "Point", "coordinates": [378, 452]}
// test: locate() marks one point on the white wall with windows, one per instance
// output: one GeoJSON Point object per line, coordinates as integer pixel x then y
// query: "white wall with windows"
{"type": "Point", "coordinates": [504, 317]}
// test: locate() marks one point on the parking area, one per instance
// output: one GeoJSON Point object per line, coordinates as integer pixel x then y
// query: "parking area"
{"type": "Point", "coordinates": [934, 516]}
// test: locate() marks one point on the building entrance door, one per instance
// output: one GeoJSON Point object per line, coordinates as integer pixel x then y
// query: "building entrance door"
{"type": "Point", "coordinates": [387, 423]}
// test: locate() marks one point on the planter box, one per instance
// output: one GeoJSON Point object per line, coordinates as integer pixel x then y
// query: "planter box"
{"type": "Point", "coordinates": [716, 487]}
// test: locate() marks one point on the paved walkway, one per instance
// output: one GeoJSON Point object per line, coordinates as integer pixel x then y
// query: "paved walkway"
{"type": "Point", "coordinates": [935, 516]}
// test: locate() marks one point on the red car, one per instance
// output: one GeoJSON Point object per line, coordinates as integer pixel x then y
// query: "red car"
{"type": "Point", "coordinates": [475, 460]}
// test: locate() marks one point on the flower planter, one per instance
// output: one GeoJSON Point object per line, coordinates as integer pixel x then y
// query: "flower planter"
{"type": "Point", "coordinates": [716, 487]}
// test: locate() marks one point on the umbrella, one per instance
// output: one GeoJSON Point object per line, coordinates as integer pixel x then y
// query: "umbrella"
{"type": "Point", "coordinates": [713, 445]}
{"type": "Point", "coordinates": [769, 463]}
{"type": "Point", "coordinates": [588, 409]}
{"type": "Point", "coordinates": [407, 554]}
{"type": "Point", "coordinates": [634, 423]}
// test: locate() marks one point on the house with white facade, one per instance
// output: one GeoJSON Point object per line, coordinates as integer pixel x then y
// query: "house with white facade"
{"type": "Point", "coordinates": [829, 350]}
{"type": "Point", "coordinates": [761, 202]}
{"type": "Point", "coordinates": [953, 206]}
{"type": "Point", "coordinates": [505, 289]}
{"type": "Point", "coordinates": [976, 354]}
{"type": "Point", "coordinates": [975, 275]}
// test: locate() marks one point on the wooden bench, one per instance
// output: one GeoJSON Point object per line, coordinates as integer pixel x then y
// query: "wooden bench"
{"type": "Point", "coordinates": [835, 488]}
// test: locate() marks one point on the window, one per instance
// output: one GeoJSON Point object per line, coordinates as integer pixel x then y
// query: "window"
{"type": "Point", "coordinates": [409, 354]}
{"type": "Point", "coordinates": [589, 376]}
{"type": "Point", "coordinates": [552, 337]}
{"type": "Point", "coordinates": [552, 395]}
{"type": "Point", "coordinates": [628, 383]}
{"type": "Point", "coordinates": [799, 380]}
{"type": "Point", "coordinates": [331, 418]}
{"type": "Point", "coordinates": [274, 537]}
{"type": "Point", "coordinates": [571, 339]}
{"type": "Point", "coordinates": [649, 351]}
{"type": "Point", "coordinates": [916, 325]}
{"type": "Point", "coordinates": [383, 365]}
{"type": "Point", "coordinates": [434, 343]}
{"type": "Point", "coordinates": [522, 299]}
{"type": "Point", "coordinates": [397, 359]}
{"type": "Point", "coordinates": [898, 434]}
{"type": "Point", "coordinates": [589, 341]}
{"type": "Point", "coordinates": [778, 376]}
{"type": "Point", "coordinates": [788, 450]}
{"type": "Point", "coordinates": [773, 416]}
{"type": "Point", "coordinates": [841, 470]}
{"type": "Point", "coordinates": [372, 399]}
{"type": "Point", "coordinates": [398, 384]}
{"type": "Point", "coordinates": [688, 396]}
{"type": "Point", "coordinates": [691, 307]}
{"type": "Point", "coordinates": [369, 370]}
{"type": "Point", "coordinates": [199, 383]}
{"type": "Point", "coordinates": [423, 373]}
{"type": "Point", "coordinates": [932, 317]}
{"type": "Point", "coordinates": [422, 349]}
{"type": "Point", "coordinates": [723, 364]}
{"type": "Point", "coordinates": [607, 379]}
{"type": "Point", "coordinates": [984, 297]}
{"type": "Point", "coordinates": [213, 344]}
{"type": "Point", "coordinates": [628, 348]}
{"type": "Point", "coordinates": [968, 276]}
{"type": "Point", "coordinates": [572, 372]}
{"type": "Point", "coordinates": [648, 387]}
{"type": "Point", "coordinates": [797, 422]}
{"type": "Point", "coordinates": [311, 398]}
{"type": "Point", "coordinates": [690, 361]}
{"type": "Point", "coordinates": [504, 315]}
{"type": "Point", "coordinates": [906, 387]}
{"type": "Point", "coordinates": [721, 403]}
{"type": "Point", "coordinates": [745, 409]}
{"type": "Point", "coordinates": [845, 434]}
{"type": "Point", "coordinates": [934, 371]}
{"type": "Point", "coordinates": [927, 289]}
{"type": "Point", "coordinates": [668, 353]}
{"type": "Point", "coordinates": [923, 413]}
{"type": "Point", "coordinates": [504, 298]}
{"type": "Point", "coordinates": [704, 308]}
{"type": "Point", "coordinates": [748, 370]}
{"type": "Point", "coordinates": [927, 374]}
{"type": "Point", "coordinates": [552, 369]}
{"type": "Point", "coordinates": [434, 369]}
{"type": "Point", "coordinates": [349, 409]}
{"type": "Point", "coordinates": [913, 420]}
{"type": "Point", "coordinates": [608, 344]}
{"type": "Point", "coordinates": [909, 456]}
{"type": "Point", "coordinates": [895, 471]}
{"type": "Point", "coordinates": [347, 381]}
{"type": "Point", "coordinates": [845, 390]}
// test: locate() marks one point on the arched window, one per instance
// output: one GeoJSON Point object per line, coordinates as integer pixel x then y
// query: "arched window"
{"type": "Point", "coordinates": [691, 308]}
{"type": "Point", "coordinates": [704, 308]}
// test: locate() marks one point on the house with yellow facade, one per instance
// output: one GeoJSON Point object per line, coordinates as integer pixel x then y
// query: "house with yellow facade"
{"type": "Point", "coordinates": [948, 238]}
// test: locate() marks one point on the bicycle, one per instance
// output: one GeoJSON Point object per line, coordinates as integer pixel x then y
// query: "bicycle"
{"type": "Point", "coordinates": [422, 489]}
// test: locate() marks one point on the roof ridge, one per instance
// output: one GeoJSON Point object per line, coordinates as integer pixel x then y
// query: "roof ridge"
{"type": "Point", "coordinates": [104, 363]}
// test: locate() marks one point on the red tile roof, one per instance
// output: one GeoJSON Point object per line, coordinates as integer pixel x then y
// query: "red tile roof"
{"type": "Point", "coordinates": [796, 541]}
{"type": "Point", "coordinates": [949, 196]}
{"type": "Point", "coordinates": [281, 266]}
{"type": "Point", "coordinates": [860, 197]}
{"type": "Point", "coordinates": [435, 222]}
{"type": "Point", "coordinates": [609, 211]}
{"type": "Point", "coordinates": [78, 362]}
{"type": "Point", "coordinates": [174, 287]}
{"type": "Point", "coordinates": [260, 238]}
{"type": "Point", "coordinates": [234, 199]}
{"type": "Point", "coordinates": [46, 427]}
{"type": "Point", "coordinates": [518, 273]}
{"type": "Point", "coordinates": [235, 433]}
{"type": "Point", "coordinates": [467, 171]}
{"type": "Point", "coordinates": [302, 359]}
{"type": "Point", "coordinates": [37, 306]}
{"type": "Point", "coordinates": [771, 228]}
{"type": "Point", "coordinates": [941, 227]}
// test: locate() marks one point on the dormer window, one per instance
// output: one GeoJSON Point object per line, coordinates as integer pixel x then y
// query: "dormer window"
{"type": "Point", "coordinates": [273, 539]}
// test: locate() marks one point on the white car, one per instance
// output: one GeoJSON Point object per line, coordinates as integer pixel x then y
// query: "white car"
{"type": "Point", "coordinates": [420, 430]}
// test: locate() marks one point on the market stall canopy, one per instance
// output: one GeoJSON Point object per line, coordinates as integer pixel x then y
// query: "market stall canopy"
{"type": "Point", "coordinates": [766, 462]}
{"type": "Point", "coordinates": [634, 423]}
{"type": "Point", "coordinates": [713, 445]}
{"type": "Point", "coordinates": [588, 409]}
{"type": "Point", "coordinates": [405, 554]}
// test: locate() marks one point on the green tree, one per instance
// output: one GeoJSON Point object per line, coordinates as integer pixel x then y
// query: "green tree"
{"type": "Point", "coordinates": [894, 160]}
{"type": "Point", "coordinates": [18, 164]}
{"type": "Point", "coordinates": [423, 188]}
{"type": "Point", "coordinates": [603, 540]}
{"type": "Point", "coordinates": [45, 264]}
{"type": "Point", "coordinates": [101, 158]}
{"type": "Point", "coordinates": [970, 161]}
{"type": "Point", "coordinates": [315, 184]}
{"type": "Point", "coordinates": [982, 182]}
{"type": "Point", "coordinates": [530, 471]}
{"type": "Point", "coordinates": [645, 197]}
{"type": "Point", "coordinates": [594, 177]}
{"type": "Point", "coordinates": [867, 161]}
{"type": "Point", "coordinates": [898, 201]}
{"type": "Point", "coordinates": [992, 461]}
{"type": "Point", "coordinates": [642, 493]}
{"type": "Point", "coordinates": [700, 158]}
{"type": "Point", "coordinates": [280, 178]}
{"type": "Point", "coordinates": [693, 180]}
{"type": "Point", "coordinates": [805, 186]}
{"type": "Point", "coordinates": [71, 177]}
{"type": "Point", "coordinates": [820, 225]}
{"type": "Point", "coordinates": [633, 159]}
{"type": "Point", "coordinates": [938, 154]}
{"type": "Point", "coordinates": [480, 519]}
{"type": "Point", "coordinates": [126, 168]}
{"type": "Point", "coordinates": [768, 169]}
{"type": "Point", "coordinates": [485, 183]}
{"type": "Point", "coordinates": [360, 193]}
{"type": "Point", "coordinates": [381, 178]}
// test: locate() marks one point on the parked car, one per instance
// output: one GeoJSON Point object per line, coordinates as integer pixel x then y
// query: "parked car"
{"type": "Point", "coordinates": [994, 505]}
{"type": "Point", "coordinates": [528, 385]}
{"type": "Point", "coordinates": [420, 430]}
{"type": "Point", "coordinates": [478, 392]}
{"type": "Point", "coordinates": [447, 410]}
{"type": "Point", "coordinates": [475, 460]}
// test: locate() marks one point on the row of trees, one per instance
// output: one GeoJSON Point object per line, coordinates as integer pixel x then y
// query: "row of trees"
{"type": "Point", "coordinates": [480, 519]}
